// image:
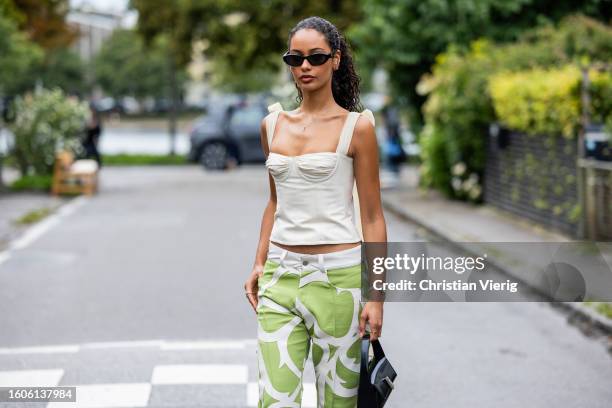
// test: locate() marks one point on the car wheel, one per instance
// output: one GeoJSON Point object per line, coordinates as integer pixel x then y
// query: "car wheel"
{"type": "Point", "coordinates": [215, 156]}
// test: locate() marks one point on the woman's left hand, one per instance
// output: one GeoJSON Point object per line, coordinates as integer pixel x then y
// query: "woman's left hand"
{"type": "Point", "coordinates": [373, 314]}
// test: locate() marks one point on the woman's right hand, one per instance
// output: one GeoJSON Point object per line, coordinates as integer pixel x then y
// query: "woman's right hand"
{"type": "Point", "coordinates": [251, 286]}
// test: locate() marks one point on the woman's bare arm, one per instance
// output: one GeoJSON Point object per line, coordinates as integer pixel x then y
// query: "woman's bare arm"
{"type": "Point", "coordinates": [267, 221]}
{"type": "Point", "coordinates": [268, 215]}
{"type": "Point", "coordinates": [366, 169]}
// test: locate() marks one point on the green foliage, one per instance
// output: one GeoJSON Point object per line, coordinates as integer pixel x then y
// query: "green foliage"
{"type": "Point", "coordinates": [604, 308]}
{"type": "Point", "coordinates": [459, 112]}
{"type": "Point", "coordinates": [17, 56]}
{"type": "Point", "coordinates": [143, 159]}
{"type": "Point", "coordinates": [23, 62]}
{"type": "Point", "coordinates": [32, 182]}
{"type": "Point", "coordinates": [62, 68]}
{"type": "Point", "coordinates": [124, 66]}
{"type": "Point", "coordinates": [433, 170]}
{"type": "Point", "coordinates": [547, 101]}
{"type": "Point", "coordinates": [45, 122]}
{"type": "Point", "coordinates": [245, 39]}
{"type": "Point", "coordinates": [539, 100]}
{"type": "Point", "coordinates": [405, 36]}
{"type": "Point", "coordinates": [460, 104]}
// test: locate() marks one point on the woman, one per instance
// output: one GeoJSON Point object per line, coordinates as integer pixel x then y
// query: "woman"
{"type": "Point", "coordinates": [306, 281]}
{"type": "Point", "coordinates": [92, 137]}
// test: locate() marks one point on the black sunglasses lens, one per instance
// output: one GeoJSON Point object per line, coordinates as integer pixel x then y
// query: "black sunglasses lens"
{"type": "Point", "coordinates": [293, 60]}
{"type": "Point", "coordinates": [317, 59]}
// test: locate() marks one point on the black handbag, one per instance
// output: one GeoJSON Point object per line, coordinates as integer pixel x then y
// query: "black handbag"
{"type": "Point", "coordinates": [376, 376]}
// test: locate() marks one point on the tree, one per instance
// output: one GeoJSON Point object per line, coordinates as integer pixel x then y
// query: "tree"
{"type": "Point", "coordinates": [44, 21]}
{"type": "Point", "coordinates": [240, 35]}
{"type": "Point", "coordinates": [17, 57]}
{"type": "Point", "coordinates": [157, 18]}
{"type": "Point", "coordinates": [405, 36]}
{"type": "Point", "coordinates": [125, 67]}
{"type": "Point", "coordinates": [244, 39]}
{"type": "Point", "coordinates": [63, 68]}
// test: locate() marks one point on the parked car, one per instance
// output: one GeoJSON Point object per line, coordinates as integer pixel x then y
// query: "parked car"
{"type": "Point", "coordinates": [229, 132]}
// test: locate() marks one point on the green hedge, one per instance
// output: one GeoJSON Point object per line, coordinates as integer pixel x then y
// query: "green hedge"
{"type": "Point", "coordinates": [142, 159]}
{"type": "Point", "coordinates": [32, 183]}
{"type": "Point", "coordinates": [547, 101]}
{"type": "Point", "coordinates": [460, 105]}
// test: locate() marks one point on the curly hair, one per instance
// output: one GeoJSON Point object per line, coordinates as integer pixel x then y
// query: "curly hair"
{"type": "Point", "coordinates": [345, 81]}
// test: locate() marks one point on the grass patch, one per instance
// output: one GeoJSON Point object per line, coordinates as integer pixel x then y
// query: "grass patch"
{"type": "Point", "coordinates": [32, 183]}
{"type": "Point", "coordinates": [33, 216]}
{"type": "Point", "coordinates": [604, 308]}
{"type": "Point", "coordinates": [142, 159]}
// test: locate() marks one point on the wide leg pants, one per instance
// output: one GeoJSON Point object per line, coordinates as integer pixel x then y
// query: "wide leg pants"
{"type": "Point", "coordinates": [309, 301]}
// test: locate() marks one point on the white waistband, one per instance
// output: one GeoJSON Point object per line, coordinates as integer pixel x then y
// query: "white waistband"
{"type": "Point", "coordinates": [336, 259]}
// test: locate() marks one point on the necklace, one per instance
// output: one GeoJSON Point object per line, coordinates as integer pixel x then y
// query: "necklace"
{"type": "Point", "coordinates": [309, 123]}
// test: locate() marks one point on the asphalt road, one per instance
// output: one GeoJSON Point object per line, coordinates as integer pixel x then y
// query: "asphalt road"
{"type": "Point", "coordinates": [135, 295]}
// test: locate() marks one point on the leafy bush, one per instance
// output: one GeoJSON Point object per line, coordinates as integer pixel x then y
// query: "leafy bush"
{"type": "Point", "coordinates": [460, 105]}
{"type": "Point", "coordinates": [45, 122]}
{"type": "Point", "coordinates": [457, 113]}
{"type": "Point", "coordinates": [547, 101]}
{"type": "Point", "coordinates": [32, 183]}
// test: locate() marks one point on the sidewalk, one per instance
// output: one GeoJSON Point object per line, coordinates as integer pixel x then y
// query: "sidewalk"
{"type": "Point", "coordinates": [467, 226]}
{"type": "Point", "coordinates": [14, 205]}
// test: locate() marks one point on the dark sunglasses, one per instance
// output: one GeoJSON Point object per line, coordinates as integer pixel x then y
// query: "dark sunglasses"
{"type": "Point", "coordinates": [296, 60]}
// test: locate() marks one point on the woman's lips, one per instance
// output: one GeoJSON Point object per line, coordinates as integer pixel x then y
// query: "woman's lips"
{"type": "Point", "coordinates": [307, 78]}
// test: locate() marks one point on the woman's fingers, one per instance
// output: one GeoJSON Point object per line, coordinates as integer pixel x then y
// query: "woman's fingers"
{"type": "Point", "coordinates": [375, 329]}
{"type": "Point", "coordinates": [252, 301]}
{"type": "Point", "coordinates": [362, 322]}
{"type": "Point", "coordinates": [373, 315]}
{"type": "Point", "coordinates": [250, 290]}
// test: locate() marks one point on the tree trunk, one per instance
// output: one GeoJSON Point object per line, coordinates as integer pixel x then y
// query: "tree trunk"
{"type": "Point", "coordinates": [172, 112]}
{"type": "Point", "coordinates": [2, 186]}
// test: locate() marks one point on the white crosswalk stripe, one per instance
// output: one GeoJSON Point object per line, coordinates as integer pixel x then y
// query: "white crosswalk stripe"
{"type": "Point", "coordinates": [200, 374]}
{"type": "Point", "coordinates": [108, 396]}
{"type": "Point", "coordinates": [31, 378]}
{"type": "Point", "coordinates": [202, 345]}
{"type": "Point", "coordinates": [183, 373]}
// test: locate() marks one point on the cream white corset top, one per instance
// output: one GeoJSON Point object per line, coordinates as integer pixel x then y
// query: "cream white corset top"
{"type": "Point", "coordinates": [314, 191]}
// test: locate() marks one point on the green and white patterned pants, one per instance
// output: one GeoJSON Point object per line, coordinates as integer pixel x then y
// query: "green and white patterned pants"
{"type": "Point", "coordinates": [309, 301]}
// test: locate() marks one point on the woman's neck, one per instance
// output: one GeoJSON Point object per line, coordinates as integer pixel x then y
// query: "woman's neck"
{"type": "Point", "coordinates": [317, 102]}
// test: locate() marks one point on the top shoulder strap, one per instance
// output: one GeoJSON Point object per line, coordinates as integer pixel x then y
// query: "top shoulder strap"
{"type": "Point", "coordinates": [347, 130]}
{"type": "Point", "coordinates": [368, 114]}
{"type": "Point", "coordinates": [275, 109]}
{"type": "Point", "coordinates": [275, 106]}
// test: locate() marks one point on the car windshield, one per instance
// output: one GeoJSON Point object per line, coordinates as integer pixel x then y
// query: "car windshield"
{"type": "Point", "coordinates": [247, 117]}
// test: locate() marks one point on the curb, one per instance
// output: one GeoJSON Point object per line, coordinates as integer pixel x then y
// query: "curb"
{"type": "Point", "coordinates": [576, 308]}
{"type": "Point", "coordinates": [32, 232]}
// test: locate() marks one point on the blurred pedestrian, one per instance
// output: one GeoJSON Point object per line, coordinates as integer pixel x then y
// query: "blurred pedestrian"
{"type": "Point", "coordinates": [393, 150]}
{"type": "Point", "coordinates": [92, 137]}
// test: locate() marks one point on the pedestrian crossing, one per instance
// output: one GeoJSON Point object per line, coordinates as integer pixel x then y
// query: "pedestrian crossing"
{"type": "Point", "coordinates": [152, 373]}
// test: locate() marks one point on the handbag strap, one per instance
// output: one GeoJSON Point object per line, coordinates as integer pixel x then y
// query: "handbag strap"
{"type": "Point", "coordinates": [364, 375]}
{"type": "Point", "coordinates": [365, 395]}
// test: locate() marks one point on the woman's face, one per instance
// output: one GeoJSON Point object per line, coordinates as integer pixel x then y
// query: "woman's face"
{"type": "Point", "coordinates": [305, 42]}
